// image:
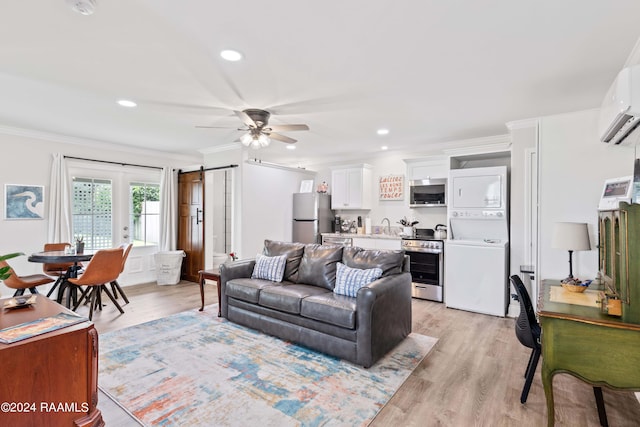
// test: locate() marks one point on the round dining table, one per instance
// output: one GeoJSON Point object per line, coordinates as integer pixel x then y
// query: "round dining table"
{"type": "Point", "coordinates": [57, 257]}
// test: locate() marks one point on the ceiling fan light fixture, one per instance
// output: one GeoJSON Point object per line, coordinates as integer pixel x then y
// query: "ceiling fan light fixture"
{"type": "Point", "coordinates": [291, 147]}
{"type": "Point", "coordinates": [264, 140]}
{"type": "Point", "coordinates": [231, 55]}
{"type": "Point", "coordinates": [246, 139]}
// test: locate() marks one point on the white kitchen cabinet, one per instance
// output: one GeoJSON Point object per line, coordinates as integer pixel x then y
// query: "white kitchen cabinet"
{"type": "Point", "coordinates": [351, 187]}
{"type": "Point", "coordinates": [389, 244]}
{"type": "Point", "coordinates": [427, 168]}
{"type": "Point", "coordinates": [363, 242]}
{"type": "Point", "coordinates": [373, 243]}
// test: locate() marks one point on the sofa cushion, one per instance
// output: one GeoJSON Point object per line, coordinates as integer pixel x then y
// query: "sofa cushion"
{"type": "Point", "coordinates": [269, 267]}
{"type": "Point", "coordinates": [318, 265]}
{"type": "Point", "coordinates": [350, 280]}
{"type": "Point", "coordinates": [293, 251]}
{"type": "Point", "coordinates": [288, 297]}
{"type": "Point", "coordinates": [389, 261]}
{"type": "Point", "coordinates": [330, 308]}
{"type": "Point", "coordinates": [246, 289]}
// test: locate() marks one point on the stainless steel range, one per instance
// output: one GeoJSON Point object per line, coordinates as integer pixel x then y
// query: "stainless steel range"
{"type": "Point", "coordinates": [426, 259]}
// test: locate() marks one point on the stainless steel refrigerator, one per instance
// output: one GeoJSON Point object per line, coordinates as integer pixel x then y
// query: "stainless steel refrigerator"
{"type": "Point", "coordinates": [311, 216]}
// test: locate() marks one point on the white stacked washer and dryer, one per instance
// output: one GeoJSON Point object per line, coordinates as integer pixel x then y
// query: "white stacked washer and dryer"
{"type": "Point", "coordinates": [476, 261]}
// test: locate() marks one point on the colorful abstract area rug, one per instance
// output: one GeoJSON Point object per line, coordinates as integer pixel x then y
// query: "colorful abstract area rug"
{"type": "Point", "coordinates": [195, 369]}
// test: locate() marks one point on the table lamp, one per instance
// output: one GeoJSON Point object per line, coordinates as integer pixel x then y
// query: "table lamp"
{"type": "Point", "coordinates": [572, 236]}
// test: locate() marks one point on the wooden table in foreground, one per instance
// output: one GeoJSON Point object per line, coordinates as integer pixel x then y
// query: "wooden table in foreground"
{"type": "Point", "coordinates": [50, 379]}
{"type": "Point", "coordinates": [580, 340]}
{"type": "Point", "coordinates": [209, 275]}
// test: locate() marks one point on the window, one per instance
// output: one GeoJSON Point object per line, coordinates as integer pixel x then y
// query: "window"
{"type": "Point", "coordinates": [145, 213]}
{"type": "Point", "coordinates": [92, 216]}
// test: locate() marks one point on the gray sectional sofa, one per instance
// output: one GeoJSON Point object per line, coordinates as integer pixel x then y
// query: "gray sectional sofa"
{"type": "Point", "coordinates": [303, 307]}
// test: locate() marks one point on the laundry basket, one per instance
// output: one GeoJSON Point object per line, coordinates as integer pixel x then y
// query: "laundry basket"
{"type": "Point", "coordinates": [168, 266]}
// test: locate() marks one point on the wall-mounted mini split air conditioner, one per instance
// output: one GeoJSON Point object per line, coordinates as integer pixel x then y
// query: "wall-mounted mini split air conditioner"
{"type": "Point", "coordinates": [620, 111]}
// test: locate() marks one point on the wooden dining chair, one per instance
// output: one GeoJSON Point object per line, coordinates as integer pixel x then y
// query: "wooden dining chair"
{"type": "Point", "coordinates": [104, 267]}
{"type": "Point", "coordinates": [115, 286]}
{"type": "Point", "coordinates": [20, 283]}
{"type": "Point", "coordinates": [58, 270]}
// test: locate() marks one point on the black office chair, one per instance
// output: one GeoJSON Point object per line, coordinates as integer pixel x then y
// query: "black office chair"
{"type": "Point", "coordinates": [528, 332]}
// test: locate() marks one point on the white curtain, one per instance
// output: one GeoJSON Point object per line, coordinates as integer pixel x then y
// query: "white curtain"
{"type": "Point", "coordinates": [168, 210]}
{"type": "Point", "coordinates": [60, 228]}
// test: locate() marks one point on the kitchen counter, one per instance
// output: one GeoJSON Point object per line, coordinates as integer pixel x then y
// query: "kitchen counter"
{"type": "Point", "coordinates": [364, 236]}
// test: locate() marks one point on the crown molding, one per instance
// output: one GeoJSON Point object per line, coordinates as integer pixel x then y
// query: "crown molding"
{"type": "Point", "coordinates": [484, 144]}
{"type": "Point", "coordinates": [220, 148]}
{"type": "Point", "coordinates": [88, 142]}
{"type": "Point", "coordinates": [522, 124]}
{"type": "Point", "coordinates": [258, 162]}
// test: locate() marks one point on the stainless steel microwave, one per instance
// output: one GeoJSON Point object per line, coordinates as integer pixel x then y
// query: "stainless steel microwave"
{"type": "Point", "coordinates": [428, 192]}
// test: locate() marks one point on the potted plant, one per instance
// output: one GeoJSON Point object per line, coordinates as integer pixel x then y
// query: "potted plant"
{"type": "Point", "coordinates": [4, 271]}
{"type": "Point", "coordinates": [407, 226]}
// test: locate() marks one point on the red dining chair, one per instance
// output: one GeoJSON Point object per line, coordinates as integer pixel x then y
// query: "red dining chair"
{"type": "Point", "coordinates": [20, 283]}
{"type": "Point", "coordinates": [104, 267]}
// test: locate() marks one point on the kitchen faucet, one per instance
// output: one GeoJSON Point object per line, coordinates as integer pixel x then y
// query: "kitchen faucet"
{"type": "Point", "coordinates": [388, 224]}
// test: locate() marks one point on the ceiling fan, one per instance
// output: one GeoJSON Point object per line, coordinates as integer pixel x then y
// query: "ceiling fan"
{"type": "Point", "coordinates": [258, 131]}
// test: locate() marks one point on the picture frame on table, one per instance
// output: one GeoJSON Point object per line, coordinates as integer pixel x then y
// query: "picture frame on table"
{"type": "Point", "coordinates": [23, 201]}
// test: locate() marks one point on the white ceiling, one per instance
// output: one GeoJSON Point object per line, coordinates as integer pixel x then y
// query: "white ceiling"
{"type": "Point", "coordinates": [429, 70]}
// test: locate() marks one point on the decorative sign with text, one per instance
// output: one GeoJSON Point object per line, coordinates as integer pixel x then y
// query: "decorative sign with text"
{"type": "Point", "coordinates": [391, 187]}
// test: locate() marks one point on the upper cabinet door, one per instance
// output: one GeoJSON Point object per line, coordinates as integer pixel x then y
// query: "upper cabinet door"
{"type": "Point", "coordinates": [351, 188]}
{"type": "Point", "coordinates": [432, 168]}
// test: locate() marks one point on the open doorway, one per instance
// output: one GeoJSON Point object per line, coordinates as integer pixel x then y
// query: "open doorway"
{"type": "Point", "coordinates": [218, 216]}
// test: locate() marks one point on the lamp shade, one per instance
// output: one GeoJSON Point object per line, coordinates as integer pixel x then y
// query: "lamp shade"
{"type": "Point", "coordinates": [572, 236]}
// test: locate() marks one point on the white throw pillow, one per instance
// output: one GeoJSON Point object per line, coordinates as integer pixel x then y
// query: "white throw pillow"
{"type": "Point", "coordinates": [350, 280]}
{"type": "Point", "coordinates": [269, 267]}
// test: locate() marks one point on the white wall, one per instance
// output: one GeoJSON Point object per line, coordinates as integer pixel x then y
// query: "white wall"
{"type": "Point", "coordinates": [27, 160]}
{"type": "Point", "coordinates": [266, 205]}
{"type": "Point", "coordinates": [573, 165]}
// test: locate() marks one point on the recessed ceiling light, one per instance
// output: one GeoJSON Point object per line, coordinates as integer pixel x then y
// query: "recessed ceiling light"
{"type": "Point", "coordinates": [291, 147]}
{"type": "Point", "coordinates": [231, 55]}
{"type": "Point", "coordinates": [383, 131]}
{"type": "Point", "coordinates": [127, 103]}
{"type": "Point", "coordinates": [384, 147]}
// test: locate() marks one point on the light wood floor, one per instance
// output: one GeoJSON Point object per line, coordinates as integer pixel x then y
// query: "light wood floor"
{"type": "Point", "coordinates": [473, 376]}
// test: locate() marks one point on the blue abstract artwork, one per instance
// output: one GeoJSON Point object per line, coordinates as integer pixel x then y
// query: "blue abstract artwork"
{"type": "Point", "coordinates": [24, 201]}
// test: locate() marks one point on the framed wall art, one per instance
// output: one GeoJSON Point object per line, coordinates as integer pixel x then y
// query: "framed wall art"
{"type": "Point", "coordinates": [391, 187]}
{"type": "Point", "coordinates": [23, 201]}
{"type": "Point", "coordinates": [306, 186]}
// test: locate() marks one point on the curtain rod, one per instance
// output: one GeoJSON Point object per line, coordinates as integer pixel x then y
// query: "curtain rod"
{"type": "Point", "coordinates": [213, 168]}
{"type": "Point", "coordinates": [113, 163]}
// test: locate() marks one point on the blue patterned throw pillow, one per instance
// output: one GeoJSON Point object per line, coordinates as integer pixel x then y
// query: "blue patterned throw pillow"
{"type": "Point", "coordinates": [350, 280]}
{"type": "Point", "coordinates": [269, 267]}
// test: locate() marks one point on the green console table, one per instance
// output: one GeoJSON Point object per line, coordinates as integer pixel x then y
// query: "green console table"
{"type": "Point", "coordinates": [580, 340]}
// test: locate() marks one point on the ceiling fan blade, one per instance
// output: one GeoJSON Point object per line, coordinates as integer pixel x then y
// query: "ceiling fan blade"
{"type": "Point", "coordinates": [281, 137]}
{"type": "Point", "coordinates": [288, 128]}
{"type": "Point", "coordinates": [246, 119]}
